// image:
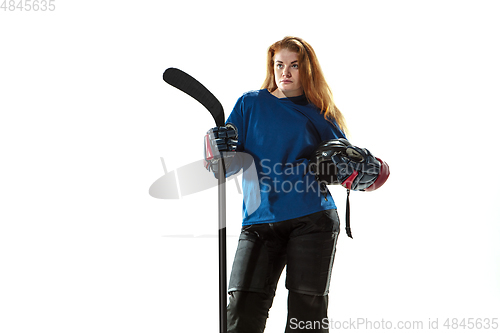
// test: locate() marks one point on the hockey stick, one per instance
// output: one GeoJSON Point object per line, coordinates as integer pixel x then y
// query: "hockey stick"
{"type": "Point", "coordinates": [189, 85]}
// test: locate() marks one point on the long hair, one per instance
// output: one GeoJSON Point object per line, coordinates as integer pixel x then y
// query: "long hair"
{"type": "Point", "coordinates": [312, 79]}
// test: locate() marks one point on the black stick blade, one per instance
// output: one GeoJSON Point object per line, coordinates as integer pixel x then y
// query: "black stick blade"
{"type": "Point", "coordinates": [189, 85]}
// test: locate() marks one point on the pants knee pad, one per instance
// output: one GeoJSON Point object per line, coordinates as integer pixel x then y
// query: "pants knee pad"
{"type": "Point", "coordinates": [248, 311]}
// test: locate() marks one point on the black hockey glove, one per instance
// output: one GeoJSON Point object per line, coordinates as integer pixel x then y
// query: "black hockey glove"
{"type": "Point", "coordinates": [359, 170]}
{"type": "Point", "coordinates": [338, 162]}
{"type": "Point", "coordinates": [220, 140]}
{"type": "Point", "coordinates": [321, 164]}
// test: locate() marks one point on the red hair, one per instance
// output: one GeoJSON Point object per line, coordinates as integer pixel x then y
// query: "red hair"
{"type": "Point", "coordinates": [312, 79]}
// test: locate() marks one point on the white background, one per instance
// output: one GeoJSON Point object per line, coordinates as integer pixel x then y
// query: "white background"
{"type": "Point", "coordinates": [86, 116]}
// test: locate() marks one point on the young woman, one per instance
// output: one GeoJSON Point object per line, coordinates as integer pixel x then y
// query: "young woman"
{"type": "Point", "coordinates": [296, 224]}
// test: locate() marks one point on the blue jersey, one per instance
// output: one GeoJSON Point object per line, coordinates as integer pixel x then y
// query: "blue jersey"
{"type": "Point", "coordinates": [281, 134]}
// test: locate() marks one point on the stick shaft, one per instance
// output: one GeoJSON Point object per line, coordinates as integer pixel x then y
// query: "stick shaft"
{"type": "Point", "coordinates": [222, 249]}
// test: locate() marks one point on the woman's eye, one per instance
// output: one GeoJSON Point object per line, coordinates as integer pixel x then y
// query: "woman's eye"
{"type": "Point", "coordinates": [295, 66]}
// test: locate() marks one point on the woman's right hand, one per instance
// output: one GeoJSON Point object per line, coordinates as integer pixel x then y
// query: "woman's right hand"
{"type": "Point", "coordinates": [220, 140]}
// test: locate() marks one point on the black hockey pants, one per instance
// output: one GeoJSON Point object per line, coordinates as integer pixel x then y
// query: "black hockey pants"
{"type": "Point", "coordinates": [306, 245]}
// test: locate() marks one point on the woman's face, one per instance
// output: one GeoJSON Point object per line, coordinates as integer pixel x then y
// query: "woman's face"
{"type": "Point", "coordinates": [286, 74]}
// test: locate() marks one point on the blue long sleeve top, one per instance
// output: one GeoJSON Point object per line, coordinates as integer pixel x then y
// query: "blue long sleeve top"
{"type": "Point", "coordinates": [280, 134]}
